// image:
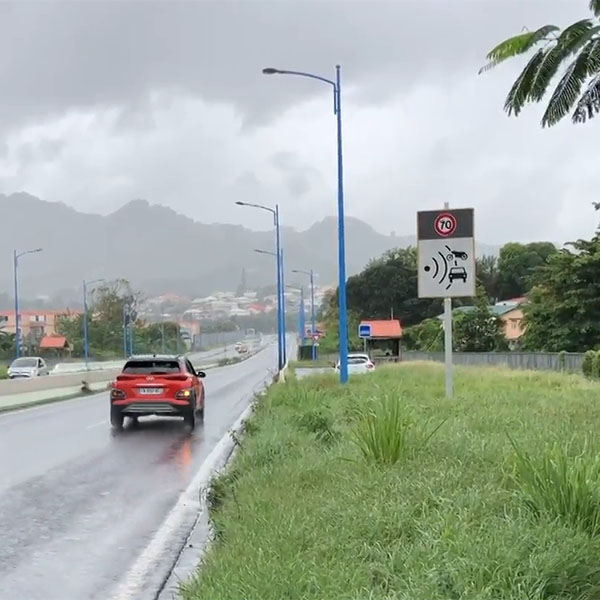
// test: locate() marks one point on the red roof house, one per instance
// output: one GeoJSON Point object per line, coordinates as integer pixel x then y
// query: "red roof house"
{"type": "Point", "coordinates": [55, 342]}
{"type": "Point", "coordinates": [389, 329]}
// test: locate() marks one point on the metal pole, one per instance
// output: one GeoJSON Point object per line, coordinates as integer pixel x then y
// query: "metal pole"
{"type": "Point", "coordinates": [283, 324]}
{"type": "Point", "coordinates": [312, 314]}
{"type": "Point", "coordinates": [17, 332]}
{"type": "Point", "coordinates": [162, 328]}
{"type": "Point", "coordinates": [448, 338]}
{"type": "Point", "coordinates": [124, 330]}
{"type": "Point", "coordinates": [279, 306]}
{"type": "Point", "coordinates": [85, 327]}
{"type": "Point", "coordinates": [302, 318]}
{"type": "Point", "coordinates": [343, 318]}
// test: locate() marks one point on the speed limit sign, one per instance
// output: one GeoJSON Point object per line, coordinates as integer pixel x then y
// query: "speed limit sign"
{"type": "Point", "coordinates": [445, 224]}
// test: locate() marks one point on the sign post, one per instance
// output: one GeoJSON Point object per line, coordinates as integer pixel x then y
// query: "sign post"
{"type": "Point", "coordinates": [446, 264]}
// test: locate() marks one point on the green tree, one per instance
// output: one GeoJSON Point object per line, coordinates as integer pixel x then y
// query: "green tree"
{"type": "Point", "coordinates": [389, 285]}
{"type": "Point", "coordinates": [478, 330]}
{"type": "Point", "coordinates": [487, 274]}
{"type": "Point", "coordinates": [574, 52]}
{"type": "Point", "coordinates": [519, 267]}
{"type": "Point", "coordinates": [427, 336]}
{"type": "Point", "coordinates": [563, 310]}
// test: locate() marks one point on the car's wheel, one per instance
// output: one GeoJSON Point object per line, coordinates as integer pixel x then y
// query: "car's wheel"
{"type": "Point", "coordinates": [116, 417]}
{"type": "Point", "coordinates": [189, 418]}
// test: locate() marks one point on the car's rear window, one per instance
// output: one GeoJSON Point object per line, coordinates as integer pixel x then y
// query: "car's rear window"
{"type": "Point", "coordinates": [25, 362]}
{"type": "Point", "coordinates": [151, 367]}
{"type": "Point", "coordinates": [356, 360]}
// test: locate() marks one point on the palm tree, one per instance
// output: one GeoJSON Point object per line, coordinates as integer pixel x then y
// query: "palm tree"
{"type": "Point", "coordinates": [576, 49]}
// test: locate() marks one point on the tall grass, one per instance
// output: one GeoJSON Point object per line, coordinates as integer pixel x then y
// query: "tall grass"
{"type": "Point", "coordinates": [561, 485]}
{"type": "Point", "coordinates": [385, 433]}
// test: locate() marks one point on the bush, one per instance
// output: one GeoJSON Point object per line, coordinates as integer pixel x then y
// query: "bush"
{"type": "Point", "coordinates": [561, 486]}
{"type": "Point", "coordinates": [385, 433]}
{"type": "Point", "coordinates": [596, 365]}
{"type": "Point", "coordinates": [588, 363]}
{"type": "Point", "coordinates": [3, 372]}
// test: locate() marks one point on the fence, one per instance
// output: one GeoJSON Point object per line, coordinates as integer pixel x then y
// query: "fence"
{"type": "Point", "coordinates": [534, 361]}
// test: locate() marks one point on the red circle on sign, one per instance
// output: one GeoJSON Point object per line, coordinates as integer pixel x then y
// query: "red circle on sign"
{"type": "Point", "coordinates": [445, 224]}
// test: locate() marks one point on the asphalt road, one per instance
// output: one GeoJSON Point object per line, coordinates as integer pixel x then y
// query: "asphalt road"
{"type": "Point", "coordinates": [79, 503]}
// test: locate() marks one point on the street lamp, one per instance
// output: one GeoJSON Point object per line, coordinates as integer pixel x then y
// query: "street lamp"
{"type": "Point", "coordinates": [280, 305]}
{"type": "Point", "coordinates": [86, 346]}
{"type": "Point", "coordinates": [301, 321]}
{"type": "Point", "coordinates": [313, 328]}
{"type": "Point", "coordinates": [280, 287]}
{"type": "Point", "coordinates": [16, 256]}
{"type": "Point", "coordinates": [337, 109]}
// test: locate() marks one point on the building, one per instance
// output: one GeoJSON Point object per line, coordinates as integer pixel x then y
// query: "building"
{"type": "Point", "coordinates": [510, 312]}
{"type": "Point", "coordinates": [40, 323]}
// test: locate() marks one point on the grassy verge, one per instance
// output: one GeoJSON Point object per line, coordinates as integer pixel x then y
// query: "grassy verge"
{"type": "Point", "coordinates": [384, 490]}
{"type": "Point", "coordinates": [3, 372]}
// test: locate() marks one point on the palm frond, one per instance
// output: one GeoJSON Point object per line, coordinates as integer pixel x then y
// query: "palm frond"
{"type": "Point", "coordinates": [568, 42]}
{"type": "Point", "coordinates": [595, 7]}
{"type": "Point", "coordinates": [518, 44]}
{"type": "Point", "coordinates": [521, 89]}
{"type": "Point", "coordinates": [589, 104]}
{"type": "Point", "coordinates": [567, 91]}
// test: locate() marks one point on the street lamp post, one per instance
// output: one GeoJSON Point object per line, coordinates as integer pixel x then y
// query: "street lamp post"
{"type": "Point", "coordinates": [313, 326]}
{"type": "Point", "coordinates": [301, 318]}
{"type": "Point", "coordinates": [86, 346]}
{"type": "Point", "coordinates": [337, 109]}
{"type": "Point", "coordinates": [280, 308]}
{"type": "Point", "coordinates": [16, 256]}
{"type": "Point", "coordinates": [282, 359]}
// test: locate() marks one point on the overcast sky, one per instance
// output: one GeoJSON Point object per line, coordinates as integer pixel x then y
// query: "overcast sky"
{"type": "Point", "coordinates": [103, 102]}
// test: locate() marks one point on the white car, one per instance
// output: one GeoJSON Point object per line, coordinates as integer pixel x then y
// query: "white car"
{"type": "Point", "coordinates": [358, 363]}
{"type": "Point", "coordinates": [28, 366]}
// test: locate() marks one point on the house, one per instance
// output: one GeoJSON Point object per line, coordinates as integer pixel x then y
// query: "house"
{"type": "Point", "coordinates": [38, 323]}
{"type": "Point", "coordinates": [510, 312]}
{"type": "Point", "coordinates": [56, 345]}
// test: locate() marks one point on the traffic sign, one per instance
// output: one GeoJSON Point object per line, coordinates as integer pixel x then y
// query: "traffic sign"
{"type": "Point", "coordinates": [364, 331]}
{"type": "Point", "coordinates": [445, 224]}
{"type": "Point", "coordinates": [446, 249]}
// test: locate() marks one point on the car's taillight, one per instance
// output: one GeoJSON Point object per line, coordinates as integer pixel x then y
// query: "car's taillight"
{"type": "Point", "coordinates": [183, 394]}
{"type": "Point", "coordinates": [116, 394]}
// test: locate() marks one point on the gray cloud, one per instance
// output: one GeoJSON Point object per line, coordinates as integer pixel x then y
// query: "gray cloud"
{"type": "Point", "coordinates": [106, 101]}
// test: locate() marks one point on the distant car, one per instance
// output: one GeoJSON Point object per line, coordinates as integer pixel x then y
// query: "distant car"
{"type": "Point", "coordinates": [358, 363]}
{"type": "Point", "coordinates": [28, 366]}
{"type": "Point", "coordinates": [167, 386]}
{"type": "Point", "coordinates": [457, 273]}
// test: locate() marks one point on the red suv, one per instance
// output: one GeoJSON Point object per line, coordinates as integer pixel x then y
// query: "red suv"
{"type": "Point", "coordinates": [157, 385]}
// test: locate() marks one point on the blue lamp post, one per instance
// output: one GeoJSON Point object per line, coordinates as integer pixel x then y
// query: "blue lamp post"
{"type": "Point", "coordinates": [16, 256]}
{"type": "Point", "coordinates": [86, 345]}
{"type": "Point", "coordinates": [280, 295]}
{"type": "Point", "coordinates": [301, 317]}
{"type": "Point", "coordinates": [337, 109]}
{"type": "Point", "coordinates": [280, 308]}
{"type": "Point", "coordinates": [313, 326]}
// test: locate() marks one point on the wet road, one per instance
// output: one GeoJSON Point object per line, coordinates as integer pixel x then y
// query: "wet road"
{"type": "Point", "coordinates": [79, 503]}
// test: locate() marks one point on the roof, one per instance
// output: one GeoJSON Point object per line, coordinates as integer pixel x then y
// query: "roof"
{"type": "Point", "coordinates": [389, 329]}
{"type": "Point", "coordinates": [54, 342]}
{"type": "Point", "coordinates": [498, 310]}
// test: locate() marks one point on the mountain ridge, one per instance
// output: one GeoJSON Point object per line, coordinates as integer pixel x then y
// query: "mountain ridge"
{"type": "Point", "coordinates": [160, 250]}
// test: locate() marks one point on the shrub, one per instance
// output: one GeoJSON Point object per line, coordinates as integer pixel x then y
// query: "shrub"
{"type": "Point", "coordinates": [588, 363]}
{"type": "Point", "coordinates": [561, 486]}
{"type": "Point", "coordinates": [385, 434]}
{"type": "Point", "coordinates": [562, 360]}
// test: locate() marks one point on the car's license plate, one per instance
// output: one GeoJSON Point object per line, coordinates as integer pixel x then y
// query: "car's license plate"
{"type": "Point", "coordinates": [153, 391]}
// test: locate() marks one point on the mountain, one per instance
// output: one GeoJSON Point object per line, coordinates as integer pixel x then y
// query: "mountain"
{"type": "Point", "coordinates": [161, 251]}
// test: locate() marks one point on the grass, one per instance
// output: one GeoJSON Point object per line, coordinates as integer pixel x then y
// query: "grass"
{"type": "Point", "coordinates": [3, 372]}
{"type": "Point", "coordinates": [384, 490]}
{"type": "Point", "coordinates": [319, 363]}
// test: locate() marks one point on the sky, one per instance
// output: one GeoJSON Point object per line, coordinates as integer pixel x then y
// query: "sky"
{"type": "Point", "coordinates": [105, 102]}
